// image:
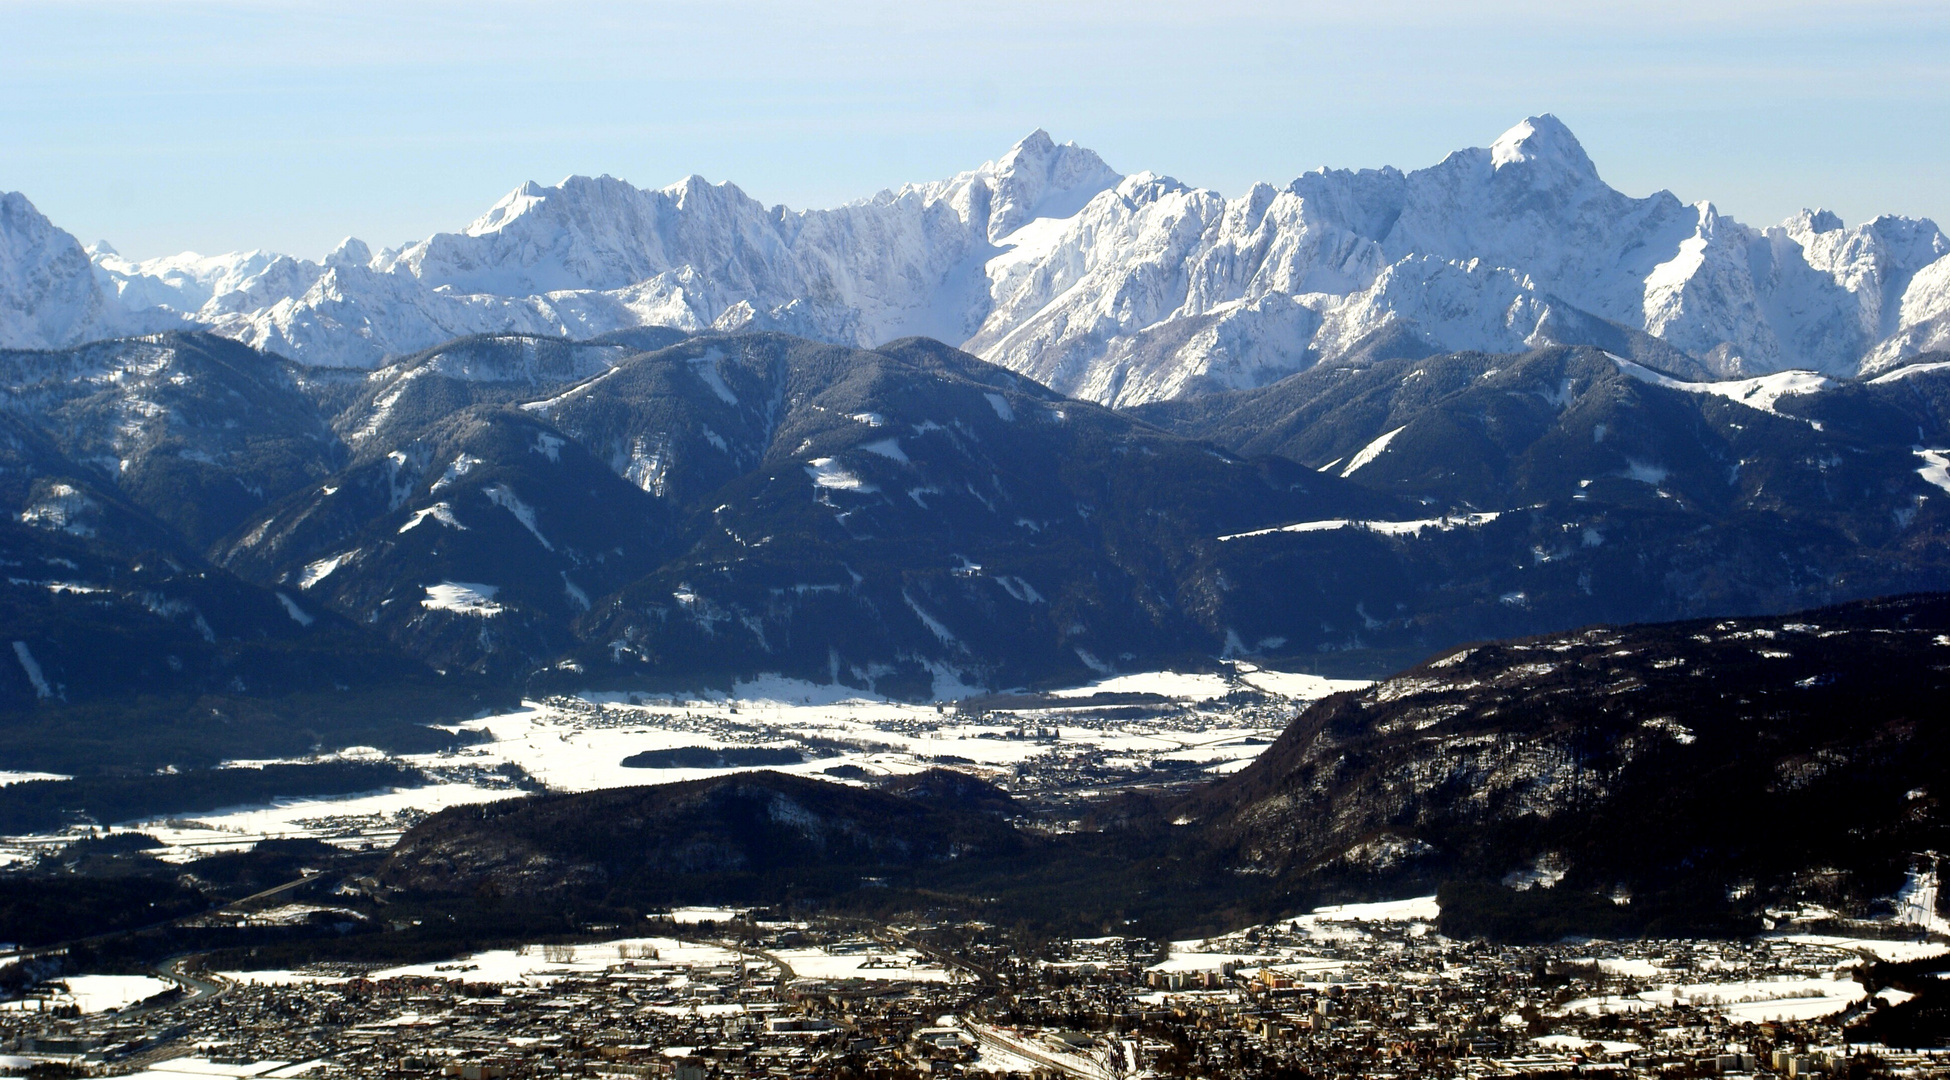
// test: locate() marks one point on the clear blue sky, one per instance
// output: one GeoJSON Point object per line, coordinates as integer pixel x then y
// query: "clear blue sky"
{"type": "Point", "coordinates": [163, 125]}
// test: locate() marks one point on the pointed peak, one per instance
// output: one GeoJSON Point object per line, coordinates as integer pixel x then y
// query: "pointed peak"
{"type": "Point", "coordinates": [351, 252]}
{"type": "Point", "coordinates": [692, 183]}
{"type": "Point", "coordinates": [1035, 148]}
{"type": "Point", "coordinates": [1040, 177]}
{"type": "Point", "coordinates": [1041, 148]}
{"type": "Point", "coordinates": [691, 187]}
{"type": "Point", "coordinates": [101, 247]}
{"type": "Point", "coordinates": [1542, 141]}
{"type": "Point", "coordinates": [1711, 221]}
{"type": "Point", "coordinates": [511, 206]}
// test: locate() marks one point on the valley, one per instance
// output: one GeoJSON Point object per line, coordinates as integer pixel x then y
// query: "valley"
{"type": "Point", "coordinates": [1457, 622]}
{"type": "Point", "coordinates": [1005, 883]}
{"type": "Point", "coordinates": [1054, 752]}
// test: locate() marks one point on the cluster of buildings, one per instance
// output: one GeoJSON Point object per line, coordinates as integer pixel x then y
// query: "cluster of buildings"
{"type": "Point", "coordinates": [618, 1009]}
{"type": "Point", "coordinates": [1389, 998]}
{"type": "Point", "coordinates": [1365, 990]}
{"type": "Point", "coordinates": [1373, 993]}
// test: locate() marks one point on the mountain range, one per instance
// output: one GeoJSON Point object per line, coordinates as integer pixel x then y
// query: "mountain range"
{"type": "Point", "coordinates": [1111, 288]}
{"type": "Point", "coordinates": [650, 509]}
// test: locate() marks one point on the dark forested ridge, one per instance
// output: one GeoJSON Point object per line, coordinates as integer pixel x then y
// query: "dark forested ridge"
{"type": "Point", "coordinates": [198, 530]}
{"type": "Point", "coordinates": [1734, 754]}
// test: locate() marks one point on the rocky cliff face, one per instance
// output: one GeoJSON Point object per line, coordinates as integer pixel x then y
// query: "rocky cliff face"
{"type": "Point", "coordinates": [48, 294]}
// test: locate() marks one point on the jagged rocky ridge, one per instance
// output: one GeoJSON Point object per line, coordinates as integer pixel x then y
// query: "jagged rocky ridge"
{"type": "Point", "coordinates": [1111, 288]}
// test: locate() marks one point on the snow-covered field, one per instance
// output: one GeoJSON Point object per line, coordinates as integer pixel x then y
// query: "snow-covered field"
{"type": "Point", "coordinates": [95, 993]}
{"type": "Point", "coordinates": [374, 817]}
{"type": "Point", "coordinates": [1785, 998]}
{"type": "Point", "coordinates": [540, 965]}
{"type": "Point", "coordinates": [579, 744]}
{"type": "Point", "coordinates": [1893, 951]}
{"type": "Point", "coordinates": [183, 1068]}
{"type": "Point", "coordinates": [1295, 958]}
{"type": "Point", "coordinates": [11, 777]}
{"type": "Point", "coordinates": [875, 965]}
{"type": "Point", "coordinates": [535, 965]}
{"type": "Point", "coordinates": [1577, 1042]}
{"type": "Point", "coordinates": [691, 916]}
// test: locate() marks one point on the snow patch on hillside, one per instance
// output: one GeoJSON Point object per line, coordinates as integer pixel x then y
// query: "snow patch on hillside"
{"type": "Point", "coordinates": [32, 668]}
{"type": "Point", "coordinates": [1385, 528]}
{"type": "Point", "coordinates": [1366, 455]}
{"type": "Point", "coordinates": [706, 369]}
{"type": "Point", "coordinates": [504, 497]}
{"type": "Point", "coordinates": [298, 615]}
{"type": "Point", "coordinates": [829, 473]}
{"type": "Point", "coordinates": [887, 448]}
{"type": "Point", "coordinates": [1936, 467]}
{"type": "Point", "coordinates": [1759, 393]}
{"type": "Point", "coordinates": [463, 597]}
{"type": "Point", "coordinates": [439, 512]}
{"type": "Point", "coordinates": [316, 572]}
{"type": "Point", "coordinates": [1910, 371]}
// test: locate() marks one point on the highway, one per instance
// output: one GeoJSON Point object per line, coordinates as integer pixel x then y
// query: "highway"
{"type": "Point", "coordinates": [63, 946]}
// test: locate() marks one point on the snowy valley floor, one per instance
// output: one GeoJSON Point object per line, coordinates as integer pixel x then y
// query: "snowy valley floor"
{"type": "Point", "coordinates": [1070, 745]}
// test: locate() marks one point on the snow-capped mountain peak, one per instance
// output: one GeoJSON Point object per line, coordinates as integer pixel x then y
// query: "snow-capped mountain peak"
{"type": "Point", "coordinates": [1545, 145]}
{"type": "Point", "coordinates": [511, 206]}
{"type": "Point", "coordinates": [1045, 260]}
{"type": "Point", "coordinates": [1816, 221]}
{"type": "Point", "coordinates": [48, 292]}
{"type": "Point", "coordinates": [1038, 178]}
{"type": "Point", "coordinates": [351, 251]}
